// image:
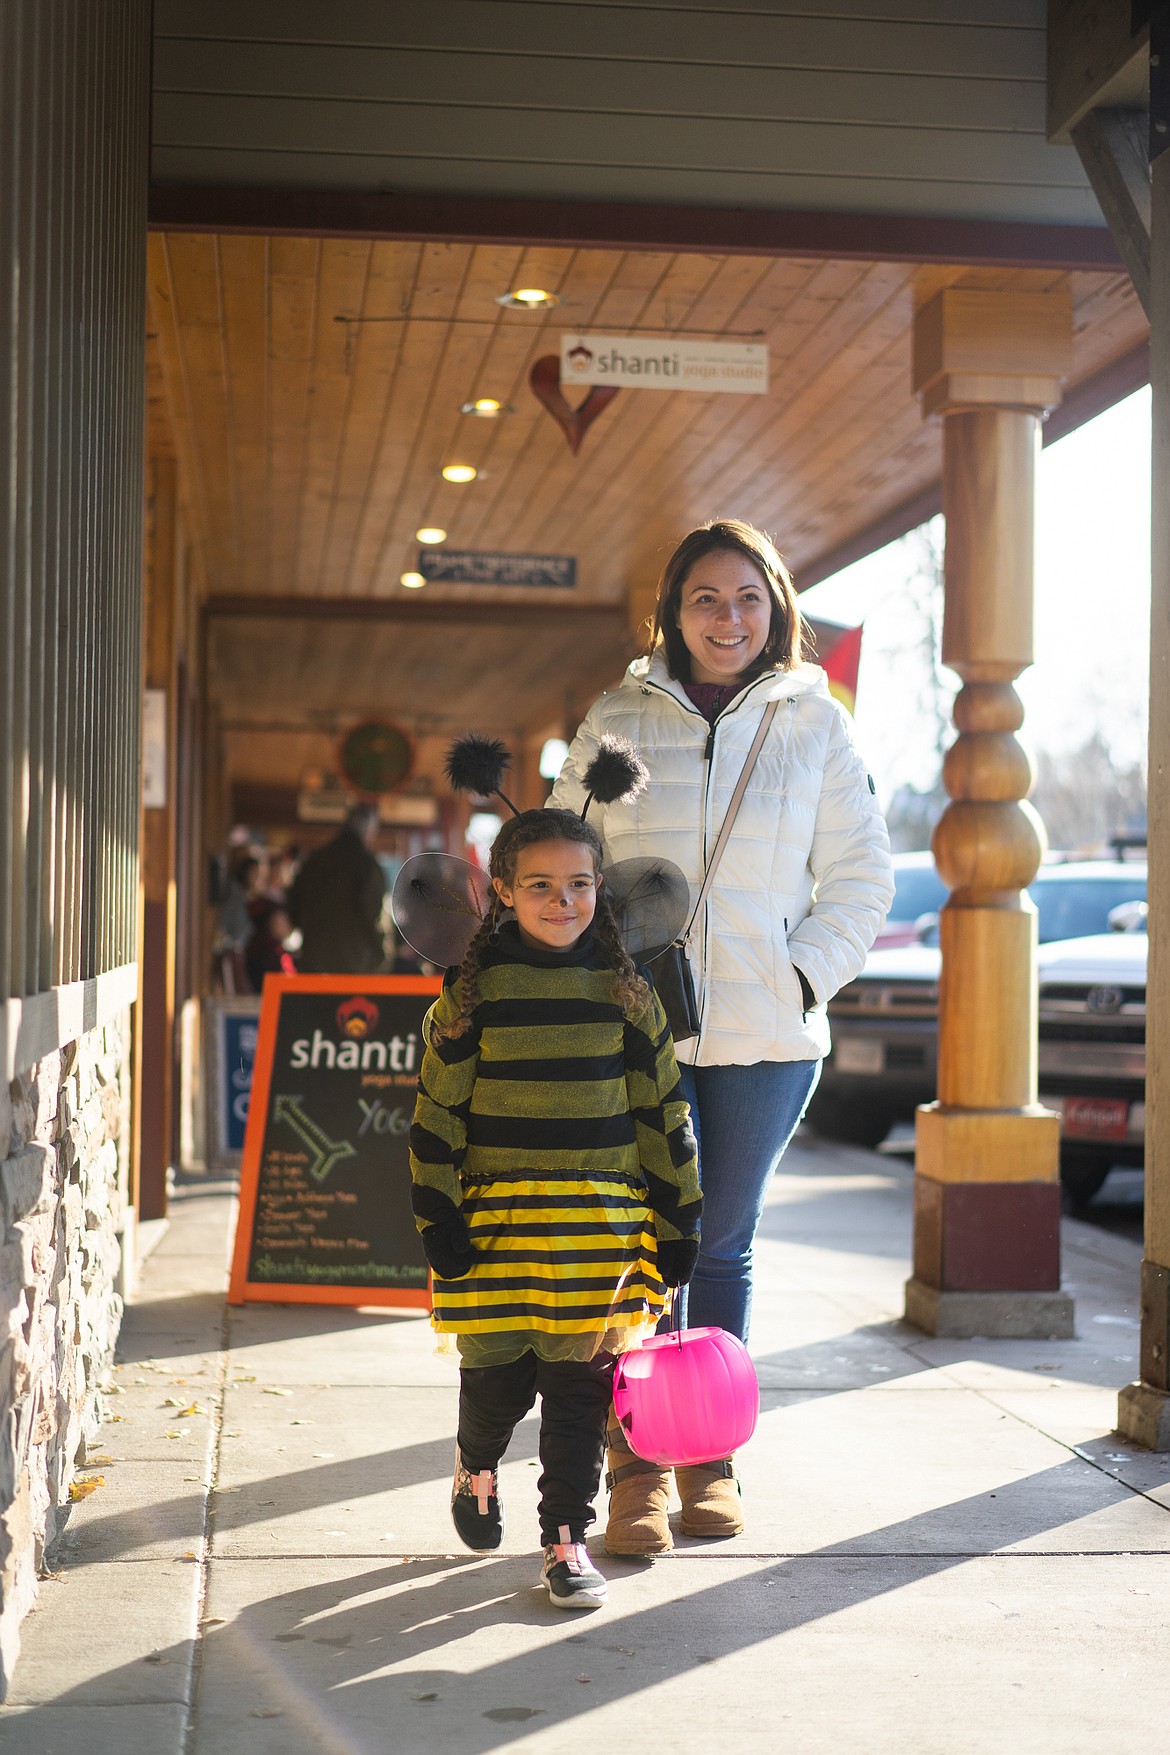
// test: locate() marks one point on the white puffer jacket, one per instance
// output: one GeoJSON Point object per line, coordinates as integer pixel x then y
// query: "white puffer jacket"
{"type": "Point", "coordinates": [806, 876]}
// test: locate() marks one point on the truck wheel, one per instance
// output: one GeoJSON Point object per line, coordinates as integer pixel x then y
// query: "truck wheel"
{"type": "Point", "coordinates": [1082, 1175]}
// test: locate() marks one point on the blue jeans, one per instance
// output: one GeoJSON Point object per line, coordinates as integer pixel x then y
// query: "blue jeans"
{"type": "Point", "coordinates": [744, 1117]}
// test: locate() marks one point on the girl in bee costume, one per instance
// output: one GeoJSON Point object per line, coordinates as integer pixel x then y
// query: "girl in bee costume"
{"type": "Point", "coordinates": [554, 1166]}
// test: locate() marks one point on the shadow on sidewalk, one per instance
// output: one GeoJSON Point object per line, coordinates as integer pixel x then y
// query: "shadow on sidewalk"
{"type": "Point", "coordinates": [334, 1663]}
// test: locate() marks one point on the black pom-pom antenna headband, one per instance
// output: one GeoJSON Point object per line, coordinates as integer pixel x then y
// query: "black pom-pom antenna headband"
{"type": "Point", "coordinates": [477, 764]}
{"type": "Point", "coordinates": [439, 900]}
{"type": "Point", "coordinates": [616, 775]}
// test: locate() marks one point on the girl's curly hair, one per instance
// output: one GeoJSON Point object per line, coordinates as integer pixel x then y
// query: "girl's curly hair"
{"type": "Point", "coordinates": [527, 830]}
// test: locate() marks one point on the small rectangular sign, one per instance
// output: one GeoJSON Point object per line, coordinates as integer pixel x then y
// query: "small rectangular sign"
{"type": "Point", "coordinates": [231, 1026]}
{"type": "Point", "coordinates": [456, 566]}
{"type": "Point", "coordinates": [154, 749]}
{"type": "Point", "coordinates": [659, 362]}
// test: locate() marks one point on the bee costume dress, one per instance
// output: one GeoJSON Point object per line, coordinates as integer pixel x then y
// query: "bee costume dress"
{"type": "Point", "coordinates": [557, 1126]}
{"type": "Point", "coordinates": [556, 1129]}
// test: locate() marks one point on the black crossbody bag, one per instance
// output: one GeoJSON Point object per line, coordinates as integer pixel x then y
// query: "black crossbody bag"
{"type": "Point", "coordinates": [670, 967]}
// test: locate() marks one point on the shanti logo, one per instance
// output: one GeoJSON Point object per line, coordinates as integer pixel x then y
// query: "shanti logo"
{"type": "Point", "coordinates": [579, 357]}
{"type": "Point", "coordinates": [356, 1018]}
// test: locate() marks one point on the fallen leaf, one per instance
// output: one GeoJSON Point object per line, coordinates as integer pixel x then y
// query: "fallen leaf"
{"type": "Point", "coordinates": [584, 1678]}
{"type": "Point", "coordinates": [156, 1657]}
{"type": "Point", "coordinates": [270, 1389]}
{"type": "Point", "coordinates": [98, 1462]}
{"type": "Point", "coordinates": [177, 1432]}
{"type": "Point", "coordinates": [83, 1489]}
{"type": "Point", "coordinates": [196, 1478]}
{"type": "Point", "coordinates": [190, 1558]}
{"type": "Point", "coordinates": [245, 1377]}
{"type": "Point", "coordinates": [266, 1712]}
{"type": "Point", "coordinates": [172, 1401]}
{"type": "Point", "coordinates": [424, 1696]}
{"type": "Point", "coordinates": [302, 1422]}
{"type": "Point", "coordinates": [115, 1418]}
{"type": "Point", "coordinates": [212, 1621]}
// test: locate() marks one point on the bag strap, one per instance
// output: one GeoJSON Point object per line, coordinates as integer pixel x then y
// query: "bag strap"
{"type": "Point", "coordinates": [741, 784]}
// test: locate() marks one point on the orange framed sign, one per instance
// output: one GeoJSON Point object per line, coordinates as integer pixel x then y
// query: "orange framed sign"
{"type": "Point", "coordinates": [325, 1182]}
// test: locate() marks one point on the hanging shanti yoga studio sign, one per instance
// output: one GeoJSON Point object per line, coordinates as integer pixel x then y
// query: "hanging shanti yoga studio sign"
{"type": "Point", "coordinates": [658, 362]}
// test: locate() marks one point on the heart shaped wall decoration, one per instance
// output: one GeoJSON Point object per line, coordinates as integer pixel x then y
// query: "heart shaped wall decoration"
{"type": "Point", "coordinates": [545, 380]}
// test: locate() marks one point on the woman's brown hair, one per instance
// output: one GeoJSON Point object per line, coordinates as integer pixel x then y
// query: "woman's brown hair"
{"type": "Point", "coordinates": [528, 830]}
{"type": "Point", "coordinates": [786, 636]}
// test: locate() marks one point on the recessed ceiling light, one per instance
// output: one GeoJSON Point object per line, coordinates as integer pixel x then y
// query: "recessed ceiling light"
{"type": "Point", "coordinates": [486, 407]}
{"type": "Point", "coordinates": [459, 472]}
{"type": "Point", "coordinates": [528, 298]}
{"type": "Point", "coordinates": [412, 581]}
{"type": "Point", "coordinates": [430, 535]}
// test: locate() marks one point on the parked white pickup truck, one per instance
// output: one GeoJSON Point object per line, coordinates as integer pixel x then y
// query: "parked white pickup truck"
{"type": "Point", "coordinates": [1092, 1049]}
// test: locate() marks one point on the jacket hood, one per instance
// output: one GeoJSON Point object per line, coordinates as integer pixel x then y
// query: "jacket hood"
{"type": "Point", "coordinates": [802, 679]}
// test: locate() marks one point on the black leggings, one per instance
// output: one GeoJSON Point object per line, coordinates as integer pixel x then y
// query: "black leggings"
{"type": "Point", "coordinates": [574, 1402]}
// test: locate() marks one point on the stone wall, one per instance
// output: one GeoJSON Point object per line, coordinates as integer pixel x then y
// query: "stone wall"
{"type": "Point", "coordinates": [64, 1133]}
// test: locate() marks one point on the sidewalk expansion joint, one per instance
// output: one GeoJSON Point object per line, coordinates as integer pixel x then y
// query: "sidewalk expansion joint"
{"type": "Point", "coordinates": [218, 1418]}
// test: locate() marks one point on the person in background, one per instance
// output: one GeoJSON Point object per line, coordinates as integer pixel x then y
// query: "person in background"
{"type": "Point", "coordinates": [795, 904]}
{"type": "Point", "coordinates": [264, 953]}
{"type": "Point", "coordinates": [235, 917]}
{"type": "Point", "coordinates": [336, 901]}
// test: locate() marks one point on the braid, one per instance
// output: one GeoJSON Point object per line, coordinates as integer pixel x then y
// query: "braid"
{"type": "Point", "coordinates": [630, 989]}
{"type": "Point", "coordinates": [468, 978]}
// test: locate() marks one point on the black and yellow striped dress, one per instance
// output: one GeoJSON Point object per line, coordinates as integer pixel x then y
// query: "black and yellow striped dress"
{"type": "Point", "coordinates": [558, 1125]}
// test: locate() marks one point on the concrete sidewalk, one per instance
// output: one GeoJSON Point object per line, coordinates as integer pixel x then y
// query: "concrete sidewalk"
{"type": "Point", "coordinates": [947, 1550]}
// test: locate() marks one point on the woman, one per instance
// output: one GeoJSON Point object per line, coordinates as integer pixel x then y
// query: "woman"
{"type": "Point", "coordinates": [796, 902]}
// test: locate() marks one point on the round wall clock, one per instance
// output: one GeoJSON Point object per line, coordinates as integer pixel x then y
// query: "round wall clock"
{"type": "Point", "coordinates": [376, 756]}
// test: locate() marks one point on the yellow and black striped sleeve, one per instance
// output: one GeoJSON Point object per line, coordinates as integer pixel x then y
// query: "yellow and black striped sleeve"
{"type": "Point", "coordinates": [662, 1122]}
{"type": "Point", "coordinates": [438, 1134]}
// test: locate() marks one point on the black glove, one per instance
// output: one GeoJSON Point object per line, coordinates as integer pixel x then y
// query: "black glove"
{"type": "Point", "coordinates": [676, 1259]}
{"type": "Point", "coordinates": [448, 1249]}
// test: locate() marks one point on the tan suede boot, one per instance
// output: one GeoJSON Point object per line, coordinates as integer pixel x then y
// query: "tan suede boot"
{"type": "Point", "coordinates": [639, 1495]}
{"type": "Point", "coordinates": [711, 1501]}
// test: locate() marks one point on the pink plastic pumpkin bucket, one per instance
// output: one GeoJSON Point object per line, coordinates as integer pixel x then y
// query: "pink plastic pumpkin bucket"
{"type": "Point", "coordinates": [687, 1397]}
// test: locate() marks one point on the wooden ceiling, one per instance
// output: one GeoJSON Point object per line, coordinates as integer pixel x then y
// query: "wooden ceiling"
{"type": "Point", "coordinates": [312, 388]}
{"type": "Point", "coordinates": [434, 679]}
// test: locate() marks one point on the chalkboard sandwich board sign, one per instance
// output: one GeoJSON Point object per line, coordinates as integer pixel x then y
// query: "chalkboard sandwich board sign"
{"type": "Point", "coordinates": [325, 1183]}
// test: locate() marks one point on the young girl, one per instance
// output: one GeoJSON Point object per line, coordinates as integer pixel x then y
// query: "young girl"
{"type": "Point", "coordinates": [555, 1181]}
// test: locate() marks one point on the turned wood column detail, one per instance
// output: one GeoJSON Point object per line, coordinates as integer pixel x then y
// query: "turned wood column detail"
{"type": "Point", "coordinates": [987, 1192]}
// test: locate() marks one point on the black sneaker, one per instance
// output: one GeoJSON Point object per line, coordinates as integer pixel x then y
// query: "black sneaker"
{"type": "Point", "coordinates": [476, 1511]}
{"type": "Point", "coordinates": [570, 1577]}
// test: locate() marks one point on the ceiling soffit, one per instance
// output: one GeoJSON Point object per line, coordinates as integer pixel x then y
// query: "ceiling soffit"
{"type": "Point", "coordinates": [314, 388]}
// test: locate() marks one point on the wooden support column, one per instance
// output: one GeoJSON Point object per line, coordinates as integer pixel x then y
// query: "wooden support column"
{"type": "Point", "coordinates": [1144, 1411]}
{"type": "Point", "coordinates": [156, 1005]}
{"type": "Point", "coordinates": [987, 1193]}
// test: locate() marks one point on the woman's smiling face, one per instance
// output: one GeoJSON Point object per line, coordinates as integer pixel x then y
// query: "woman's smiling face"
{"type": "Point", "coordinates": [555, 893]}
{"type": "Point", "coordinates": [724, 615]}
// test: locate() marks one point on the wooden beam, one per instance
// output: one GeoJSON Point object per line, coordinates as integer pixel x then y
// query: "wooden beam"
{"type": "Point", "coordinates": [1144, 1408]}
{"type": "Point", "coordinates": [401, 609]}
{"type": "Point", "coordinates": [858, 237]}
{"type": "Point", "coordinates": [156, 1010]}
{"type": "Point", "coordinates": [1113, 147]}
{"type": "Point", "coordinates": [1095, 60]}
{"type": "Point", "coordinates": [1119, 379]}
